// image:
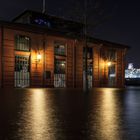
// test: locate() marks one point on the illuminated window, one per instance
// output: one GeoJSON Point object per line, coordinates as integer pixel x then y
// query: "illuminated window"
{"type": "Point", "coordinates": [22, 71]}
{"type": "Point", "coordinates": [41, 21]}
{"type": "Point", "coordinates": [60, 66]}
{"type": "Point", "coordinates": [59, 49]}
{"type": "Point", "coordinates": [60, 73]}
{"type": "Point", "coordinates": [89, 65]}
{"type": "Point", "coordinates": [22, 43]}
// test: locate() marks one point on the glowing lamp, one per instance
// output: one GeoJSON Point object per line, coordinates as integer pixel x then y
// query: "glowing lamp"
{"type": "Point", "coordinates": [38, 57]}
{"type": "Point", "coordinates": [62, 64]}
{"type": "Point", "coordinates": [109, 63]}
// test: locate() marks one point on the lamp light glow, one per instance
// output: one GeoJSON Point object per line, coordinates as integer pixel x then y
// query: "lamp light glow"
{"type": "Point", "coordinates": [109, 63]}
{"type": "Point", "coordinates": [38, 57]}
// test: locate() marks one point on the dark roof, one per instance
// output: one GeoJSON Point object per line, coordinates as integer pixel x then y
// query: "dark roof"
{"type": "Point", "coordinates": [48, 16]}
{"type": "Point", "coordinates": [107, 43]}
{"type": "Point", "coordinates": [43, 30]}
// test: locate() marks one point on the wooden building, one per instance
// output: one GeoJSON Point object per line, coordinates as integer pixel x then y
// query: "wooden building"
{"type": "Point", "coordinates": [38, 50]}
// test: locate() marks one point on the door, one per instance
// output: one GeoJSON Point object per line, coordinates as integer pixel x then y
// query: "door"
{"type": "Point", "coordinates": [112, 75]}
{"type": "Point", "coordinates": [22, 71]}
{"type": "Point", "coordinates": [60, 73]}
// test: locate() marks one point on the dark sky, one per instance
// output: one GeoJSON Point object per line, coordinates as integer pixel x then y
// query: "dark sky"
{"type": "Point", "coordinates": [122, 27]}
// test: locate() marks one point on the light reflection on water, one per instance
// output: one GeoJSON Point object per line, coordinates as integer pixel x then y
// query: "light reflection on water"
{"type": "Point", "coordinates": [48, 114]}
{"type": "Point", "coordinates": [36, 121]}
{"type": "Point", "coordinates": [109, 123]}
{"type": "Point", "coordinates": [104, 121]}
{"type": "Point", "coordinates": [37, 117]}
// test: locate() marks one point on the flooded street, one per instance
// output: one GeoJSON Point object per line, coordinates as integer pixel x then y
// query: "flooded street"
{"type": "Point", "coordinates": [70, 114]}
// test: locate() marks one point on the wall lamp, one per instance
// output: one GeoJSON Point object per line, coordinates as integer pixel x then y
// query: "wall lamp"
{"type": "Point", "coordinates": [109, 64]}
{"type": "Point", "coordinates": [39, 57]}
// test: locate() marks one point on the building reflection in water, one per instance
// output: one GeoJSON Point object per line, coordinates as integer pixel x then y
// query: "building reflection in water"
{"type": "Point", "coordinates": [107, 123]}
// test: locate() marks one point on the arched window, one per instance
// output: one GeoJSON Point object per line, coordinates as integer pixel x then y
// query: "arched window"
{"type": "Point", "coordinates": [22, 43]}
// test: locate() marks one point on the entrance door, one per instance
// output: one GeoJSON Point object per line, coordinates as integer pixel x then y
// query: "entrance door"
{"type": "Point", "coordinates": [22, 71]}
{"type": "Point", "coordinates": [89, 66]}
{"type": "Point", "coordinates": [111, 75]}
{"type": "Point", "coordinates": [60, 73]}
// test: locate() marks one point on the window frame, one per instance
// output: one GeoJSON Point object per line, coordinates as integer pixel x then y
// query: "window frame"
{"type": "Point", "coordinates": [65, 48]}
{"type": "Point", "coordinates": [17, 42]}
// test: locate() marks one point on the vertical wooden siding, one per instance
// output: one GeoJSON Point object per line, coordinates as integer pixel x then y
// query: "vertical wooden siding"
{"type": "Point", "coordinates": [79, 65]}
{"type": "Point", "coordinates": [36, 71]}
{"type": "Point", "coordinates": [120, 68]}
{"type": "Point", "coordinates": [8, 58]}
{"type": "Point", "coordinates": [49, 61]}
{"type": "Point", "coordinates": [70, 65]}
{"type": "Point", "coordinates": [36, 66]}
{"type": "Point", "coordinates": [96, 61]}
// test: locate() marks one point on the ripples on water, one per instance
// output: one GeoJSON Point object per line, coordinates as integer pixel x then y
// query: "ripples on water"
{"type": "Point", "coordinates": [48, 114]}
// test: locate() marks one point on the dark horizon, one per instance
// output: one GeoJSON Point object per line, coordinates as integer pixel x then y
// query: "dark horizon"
{"type": "Point", "coordinates": [122, 27]}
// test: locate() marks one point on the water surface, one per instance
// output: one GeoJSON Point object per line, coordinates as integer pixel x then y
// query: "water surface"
{"type": "Point", "coordinates": [70, 114]}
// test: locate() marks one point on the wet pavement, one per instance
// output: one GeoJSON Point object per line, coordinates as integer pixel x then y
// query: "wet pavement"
{"type": "Point", "coordinates": [70, 114]}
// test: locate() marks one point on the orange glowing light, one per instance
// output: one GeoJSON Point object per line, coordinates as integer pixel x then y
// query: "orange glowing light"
{"type": "Point", "coordinates": [38, 56]}
{"type": "Point", "coordinates": [109, 63]}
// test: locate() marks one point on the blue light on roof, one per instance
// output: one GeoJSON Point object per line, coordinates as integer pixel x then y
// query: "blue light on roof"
{"type": "Point", "coordinates": [40, 21]}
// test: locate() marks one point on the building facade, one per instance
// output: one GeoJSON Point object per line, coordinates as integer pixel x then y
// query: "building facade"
{"type": "Point", "coordinates": [39, 50]}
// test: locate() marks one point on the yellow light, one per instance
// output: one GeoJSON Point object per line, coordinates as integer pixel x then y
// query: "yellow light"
{"type": "Point", "coordinates": [109, 63]}
{"type": "Point", "coordinates": [38, 56]}
{"type": "Point", "coordinates": [103, 64]}
{"type": "Point", "coordinates": [63, 64]}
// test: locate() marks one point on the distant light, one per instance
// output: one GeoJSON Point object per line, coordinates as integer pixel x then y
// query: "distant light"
{"type": "Point", "coordinates": [130, 66]}
{"type": "Point", "coordinates": [42, 22]}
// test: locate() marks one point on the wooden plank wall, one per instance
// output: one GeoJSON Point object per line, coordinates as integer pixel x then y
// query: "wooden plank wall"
{"type": "Point", "coordinates": [38, 78]}
{"type": "Point", "coordinates": [36, 74]}
{"type": "Point", "coordinates": [103, 73]}
{"type": "Point", "coordinates": [8, 58]}
{"type": "Point", "coordinates": [70, 65]}
{"type": "Point", "coordinates": [49, 66]}
{"type": "Point", "coordinates": [123, 67]}
{"type": "Point", "coordinates": [96, 61]}
{"type": "Point", "coordinates": [120, 68]}
{"type": "Point", "coordinates": [79, 65]}
{"type": "Point", "coordinates": [49, 61]}
{"type": "Point", "coordinates": [36, 66]}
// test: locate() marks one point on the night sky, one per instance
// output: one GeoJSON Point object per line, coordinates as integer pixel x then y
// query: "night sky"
{"type": "Point", "coordinates": [122, 27]}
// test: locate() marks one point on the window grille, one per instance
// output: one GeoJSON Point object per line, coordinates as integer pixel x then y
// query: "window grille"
{"type": "Point", "coordinates": [22, 43]}
{"type": "Point", "coordinates": [22, 71]}
{"type": "Point", "coordinates": [112, 75]}
{"type": "Point", "coordinates": [59, 49]}
{"type": "Point", "coordinates": [109, 55]}
{"type": "Point", "coordinates": [59, 73]}
{"type": "Point", "coordinates": [89, 65]}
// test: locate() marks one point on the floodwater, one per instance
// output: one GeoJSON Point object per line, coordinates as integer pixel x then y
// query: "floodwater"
{"type": "Point", "coordinates": [68, 114]}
